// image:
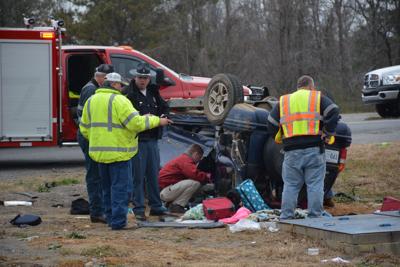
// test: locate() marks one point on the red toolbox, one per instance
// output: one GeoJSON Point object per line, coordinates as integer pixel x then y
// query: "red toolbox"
{"type": "Point", "coordinates": [218, 208]}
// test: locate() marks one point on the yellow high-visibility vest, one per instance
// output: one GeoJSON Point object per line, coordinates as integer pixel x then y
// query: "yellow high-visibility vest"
{"type": "Point", "coordinates": [299, 114]}
{"type": "Point", "coordinates": [111, 124]}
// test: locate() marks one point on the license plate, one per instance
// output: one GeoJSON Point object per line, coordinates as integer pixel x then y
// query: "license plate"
{"type": "Point", "coordinates": [332, 156]}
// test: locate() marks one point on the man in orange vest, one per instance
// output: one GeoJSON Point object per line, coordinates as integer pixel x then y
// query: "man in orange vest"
{"type": "Point", "coordinates": [303, 121]}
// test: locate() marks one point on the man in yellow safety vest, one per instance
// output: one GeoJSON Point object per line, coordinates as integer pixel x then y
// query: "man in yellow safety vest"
{"type": "Point", "coordinates": [303, 121]}
{"type": "Point", "coordinates": [111, 125]}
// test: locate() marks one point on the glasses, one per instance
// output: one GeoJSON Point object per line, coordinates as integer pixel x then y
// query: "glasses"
{"type": "Point", "coordinates": [143, 77]}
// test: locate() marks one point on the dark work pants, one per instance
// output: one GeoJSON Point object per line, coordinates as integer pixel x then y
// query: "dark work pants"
{"type": "Point", "coordinates": [146, 165]}
{"type": "Point", "coordinates": [93, 180]}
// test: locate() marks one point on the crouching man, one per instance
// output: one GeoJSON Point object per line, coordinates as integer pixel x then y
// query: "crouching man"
{"type": "Point", "coordinates": [180, 179]}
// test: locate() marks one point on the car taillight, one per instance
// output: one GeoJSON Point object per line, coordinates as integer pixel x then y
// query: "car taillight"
{"type": "Point", "coordinates": [342, 158]}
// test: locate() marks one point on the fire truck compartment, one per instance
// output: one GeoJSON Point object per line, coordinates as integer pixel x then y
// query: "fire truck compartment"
{"type": "Point", "coordinates": [25, 90]}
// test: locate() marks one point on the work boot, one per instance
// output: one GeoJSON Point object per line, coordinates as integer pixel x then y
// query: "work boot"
{"type": "Point", "coordinates": [159, 212]}
{"type": "Point", "coordinates": [126, 227]}
{"type": "Point", "coordinates": [98, 219]}
{"type": "Point", "coordinates": [140, 217]}
{"type": "Point", "coordinates": [328, 202]}
{"type": "Point", "coordinates": [175, 208]}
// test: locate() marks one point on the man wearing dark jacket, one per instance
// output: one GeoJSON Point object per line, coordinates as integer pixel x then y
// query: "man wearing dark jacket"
{"type": "Point", "coordinates": [146, 98]}
{"type": "Point", "coordinates": [179, 179]}
{"type": "Point", "coordinates": [93, 181]}
{"type": "Point", "coordinates": [303, 121]}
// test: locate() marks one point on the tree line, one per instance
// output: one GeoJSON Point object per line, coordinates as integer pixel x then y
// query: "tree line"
{"type": "Point", "coordinates": [263, 42]}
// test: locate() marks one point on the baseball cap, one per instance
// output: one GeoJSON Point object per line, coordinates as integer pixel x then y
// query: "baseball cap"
{"type": "Point", "coordinates": [114, 77]}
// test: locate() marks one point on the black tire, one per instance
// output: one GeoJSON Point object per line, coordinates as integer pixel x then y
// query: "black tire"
{"type": "Point", "coordinates": [223, 92]}
{"type": "Point", "coordinates": [388, 110]}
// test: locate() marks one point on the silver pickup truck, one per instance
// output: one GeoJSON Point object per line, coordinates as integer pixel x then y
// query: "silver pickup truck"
{"type": "Point", "coordinates": [382, 87]}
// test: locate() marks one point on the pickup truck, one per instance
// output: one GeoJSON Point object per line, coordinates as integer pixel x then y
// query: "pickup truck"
{"type": "Point", "coordinates": [382, 88]}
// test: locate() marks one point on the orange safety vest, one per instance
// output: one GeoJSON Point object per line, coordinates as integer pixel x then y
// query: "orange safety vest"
{"type": "Point", "coordinates": [299, 114]}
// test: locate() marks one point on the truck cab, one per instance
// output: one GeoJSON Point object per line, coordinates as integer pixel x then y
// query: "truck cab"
{"type": "Point", "coordinates": [381, 88]}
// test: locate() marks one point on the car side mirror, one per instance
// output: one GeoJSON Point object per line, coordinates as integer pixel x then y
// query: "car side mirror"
{"type": "Point", "coordinates": [161, 79]}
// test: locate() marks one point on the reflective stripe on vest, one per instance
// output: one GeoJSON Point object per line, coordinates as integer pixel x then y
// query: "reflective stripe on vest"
{"type": "Point", "coordinates": [300, 113]}
{"type": "Point", "coordinates": [112, 149]}
{"type": "Point", "coordinates": [109, 124]}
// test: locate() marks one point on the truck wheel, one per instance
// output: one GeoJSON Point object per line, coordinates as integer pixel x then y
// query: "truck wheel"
{"type": "Point", "coordinates": [223, 92]}
{"type": "Point", "coordinates": [387, 110]}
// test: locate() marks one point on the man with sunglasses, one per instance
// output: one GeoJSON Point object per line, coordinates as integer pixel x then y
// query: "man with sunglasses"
{"type": "Point", "coordinates": [146, 98]}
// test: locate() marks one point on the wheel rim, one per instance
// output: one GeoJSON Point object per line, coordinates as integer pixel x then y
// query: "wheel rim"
{"type": "Point", "coordinates": [218, 99]}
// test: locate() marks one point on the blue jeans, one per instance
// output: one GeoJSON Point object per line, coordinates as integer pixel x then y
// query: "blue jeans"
{"type": "Point", "coordinates": [116, 178]}
{"type": "Point", "coordinates": [93, 180]}
{"type": "Point", "coordinates": [146, 165]}
{"type": "Point", "coordinates": [303, 166]}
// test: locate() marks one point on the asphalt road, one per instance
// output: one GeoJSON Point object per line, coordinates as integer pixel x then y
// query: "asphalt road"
{"type": "Point", "coordinates": [369, 128]}
{"type": "Point", "coordinates": [366, 128]}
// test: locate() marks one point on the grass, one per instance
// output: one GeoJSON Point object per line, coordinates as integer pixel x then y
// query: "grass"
{"type": "Point", "coordinates": [100, 251]}
{"type": "Point", "coordinates": [76, 235]}
{"type": "Point", "coordinates": [36, 184]}
{"type": "Point", "coordinates": [45, 187]}
{"type": "Point", "coordinates": [372, 172]}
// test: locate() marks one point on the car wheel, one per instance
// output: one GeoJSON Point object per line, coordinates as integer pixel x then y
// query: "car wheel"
{"type": "Point", "coordinates": [223, 92]}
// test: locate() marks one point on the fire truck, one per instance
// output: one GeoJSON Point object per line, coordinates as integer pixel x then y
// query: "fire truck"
{"type": "Point", "coordinates": [40, 82]}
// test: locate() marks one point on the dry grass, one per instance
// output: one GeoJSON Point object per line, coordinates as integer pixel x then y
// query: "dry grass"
{"type": "Point", "coordinates": [36, 181]}
{"type": "Point", "coordinates": [372, 172]}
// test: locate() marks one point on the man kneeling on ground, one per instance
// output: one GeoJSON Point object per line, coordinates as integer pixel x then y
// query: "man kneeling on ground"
{"type": "Point", "coordinates": [180, 179]}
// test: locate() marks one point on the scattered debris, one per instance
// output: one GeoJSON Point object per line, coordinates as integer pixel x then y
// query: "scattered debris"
{"type": "Point", "coordinates": [336, 260]}
{"type": "Point", "coordinates": [27, 219]}
{"type": "Point", "coordinates": [80, 206]}
{"type": "Point", "coordinates": [313, 251]}
{"type": "Point", "coordinates": [16, 203]}
{"type": "Point", "coordinates": [243, 225]}
{"type": "Point", "coordinates": [273, 228]}
{"type": "Point", "coordinates": [30, 238]}
{"type": "Point", "coordinates": [390, 204]}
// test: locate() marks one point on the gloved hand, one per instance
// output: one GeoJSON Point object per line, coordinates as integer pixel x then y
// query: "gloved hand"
{"type": "Point", "coordinates": [328, 139]}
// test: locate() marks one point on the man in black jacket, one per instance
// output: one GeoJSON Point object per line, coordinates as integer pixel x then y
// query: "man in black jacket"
{"type": "Point", "coordinates": [146, 98]}
{"type": "Point", "coordinates": [93, 181]}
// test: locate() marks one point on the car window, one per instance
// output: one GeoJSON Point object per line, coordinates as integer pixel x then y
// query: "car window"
{"type": "Point", "coordinates": [124, 64]}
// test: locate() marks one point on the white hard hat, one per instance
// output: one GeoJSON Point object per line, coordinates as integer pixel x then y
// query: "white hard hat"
{"type": "Point", "coordinates": [114, 77]}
